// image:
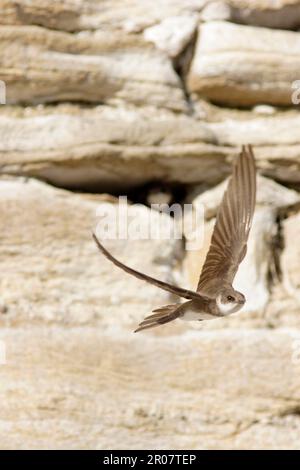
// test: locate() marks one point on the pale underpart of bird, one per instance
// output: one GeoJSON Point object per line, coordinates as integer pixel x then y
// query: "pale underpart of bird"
{"type": "Point", "coordinates": [215, 297]}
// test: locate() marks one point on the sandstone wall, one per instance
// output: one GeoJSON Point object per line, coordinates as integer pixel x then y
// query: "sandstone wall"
{"type": "Point", "coordinates": [153, 103]}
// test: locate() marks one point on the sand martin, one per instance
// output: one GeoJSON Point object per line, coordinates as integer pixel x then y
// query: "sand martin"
{"type": "Point", "coordinates": [215, 297]}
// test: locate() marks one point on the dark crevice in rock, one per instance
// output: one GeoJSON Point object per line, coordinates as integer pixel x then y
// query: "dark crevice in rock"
{"type": "Point", "coordinates": [291, 411]}
{"type": "Point", "coordinates": [278, 245]}
{"type": "Point", "coordinates": [157, 192]}
{"type": "Point", "coordinates": [181, 65]}
{"type": "Point", "coordinates": [153, 192]}
{"type": "Point", "coordinates": [276, 248]}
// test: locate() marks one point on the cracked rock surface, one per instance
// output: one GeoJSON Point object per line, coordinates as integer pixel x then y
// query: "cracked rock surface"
{"type": "Point", "coordinates": [153, 104]}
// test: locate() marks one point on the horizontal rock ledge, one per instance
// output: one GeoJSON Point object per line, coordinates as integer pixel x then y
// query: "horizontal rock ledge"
{"type": "Point", "coordinates": [282, 14]}
{"type": "Point", "coordinates": [134, 15]}
{"type": "Point", "coordinates": [121, 15]}
{"type": "Point", "coordinates": [242, 65]}
{"type": "Point", "coordinates": [41, 66]}
{"type": "Point", "coordinates": [108, 148]}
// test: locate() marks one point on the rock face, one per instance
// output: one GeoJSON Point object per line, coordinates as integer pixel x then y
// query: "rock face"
{"type": "Point", "coordinates": [126, 15]}
{"type": "Point", "coordinates": [108, 148]}
{"type": "Point", "coordinates": [83, 388]}
{"type": "Point", "coordinates": [153, 104]}
{"type": "Point", "coordinates": [173, 34]}
{"type": "Point", "coordinates": [132, 15]}
{"type": "Point", "coordinates": [285, 302]}
{"type": "Point", "coordinates": [234, 65]}
{"type": "Point", "coordinates": [68, 325]}
{"type": "Point", "coordinates": [290, 258]}
{"type": "Point", "coordinates": [282, 14]}
{"type": "Point", "coordinates": [55, 273]}
{"type": "Point", "coordinates": [41, 66]}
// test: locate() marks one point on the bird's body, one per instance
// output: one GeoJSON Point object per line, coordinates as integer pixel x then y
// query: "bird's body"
{"type": "Point", "coordinates": [194, 310]}
{"type": "Point", "coordinates": [207, 310]}
{"type": "Point", "coordinates": [214, 297]}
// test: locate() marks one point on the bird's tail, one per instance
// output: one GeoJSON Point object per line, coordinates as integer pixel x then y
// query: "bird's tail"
{"type": "Point", "coordinates": [160, 316]}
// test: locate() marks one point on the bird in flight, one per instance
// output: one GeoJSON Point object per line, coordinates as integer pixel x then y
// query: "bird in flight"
{"type": "Point", "coordinates": [215, 297]}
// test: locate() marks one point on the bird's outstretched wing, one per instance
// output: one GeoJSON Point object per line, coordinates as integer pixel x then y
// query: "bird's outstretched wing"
{"type": "Point", "coordinates": [229, 239]}
{"type": "Point", "coordinates": [185, 293]}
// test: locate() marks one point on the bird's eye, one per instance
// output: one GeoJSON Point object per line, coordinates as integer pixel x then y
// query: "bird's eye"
{"type": "Point", "coordinates": [230, 298]}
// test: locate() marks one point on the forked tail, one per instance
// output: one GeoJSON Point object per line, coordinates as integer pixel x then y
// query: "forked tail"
{"type": "Point", "coordinates": [162, 315]}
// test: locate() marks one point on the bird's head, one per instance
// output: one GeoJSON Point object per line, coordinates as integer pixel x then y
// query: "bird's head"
{"type": "Point", "coordinates": [230, 301]}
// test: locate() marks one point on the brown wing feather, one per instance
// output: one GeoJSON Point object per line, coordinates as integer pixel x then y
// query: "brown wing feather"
{"type": "Point", "coordinates": [185, 293]}
{"type": "Point", "coordinates": [229, 239]}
